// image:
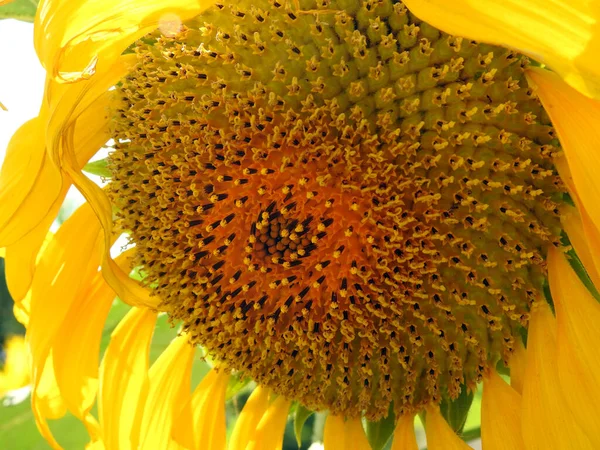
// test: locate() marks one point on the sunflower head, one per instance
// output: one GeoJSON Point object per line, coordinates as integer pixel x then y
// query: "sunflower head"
{"type": "Point", "coordinates": [342, 202]}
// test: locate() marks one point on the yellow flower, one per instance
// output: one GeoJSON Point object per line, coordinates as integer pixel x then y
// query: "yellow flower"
{"type": "Point", "coordinates": [357, 211]}
{"type": "Point", "coordinates": [14, 369]}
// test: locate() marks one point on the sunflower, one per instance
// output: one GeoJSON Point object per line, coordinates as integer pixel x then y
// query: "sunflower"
{"type": "Point", "coordinates": [14, 373]}
{"type": "Point", "coordinates": [359, 212]}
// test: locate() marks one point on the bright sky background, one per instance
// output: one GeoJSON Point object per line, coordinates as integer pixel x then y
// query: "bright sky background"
{"type": "Point", "coordinates": [21, 84]}
{"type": "Point", "coordinates": [21, 78]}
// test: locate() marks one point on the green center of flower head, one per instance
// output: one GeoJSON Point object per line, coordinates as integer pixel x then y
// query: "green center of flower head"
{"type": "Point", "coordinates": [337, 199]}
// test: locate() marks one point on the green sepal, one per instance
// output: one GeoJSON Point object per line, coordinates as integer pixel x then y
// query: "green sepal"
{"type": "Point", "coordinates": [23, 10]}
{"type": "Point", "coordinates": [548, 296]}
{"type": "Point", "coordinates": [379, 433]}
{"type": "Point", "coordinates": [456, 411]}
{"type": "Point", "coordinates": [568, 199]}
{"type": "Point", "coordinates": [300, 417]}
{"type": "Point", "coordinates": [502, 369]}
{"type": "Point", "coordinates": [99, 168]}
{"type": "Point", "coordinates": [473, 433]}
{"type": "Point", "coordinates": [579, 268]}
{"type": "Point", "coordinates": [236, 384]}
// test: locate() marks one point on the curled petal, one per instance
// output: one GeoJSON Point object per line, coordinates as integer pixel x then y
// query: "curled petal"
{"type": "Point", "coordinates": [61, 148]}
{"type": "Point", "coordinates": [75, 37]}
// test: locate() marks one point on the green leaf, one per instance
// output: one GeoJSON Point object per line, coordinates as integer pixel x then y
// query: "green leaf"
{"type": "Point", "coordinates": [300, 417]}
{"type": "Point", "coordinates": [380, 432]}
{"type": "Point", "coordinates": [19, 9]}
{"type": "Point", "coordinates": [455, 411]}
{"type": "Point", "coordinates": [99, 168]}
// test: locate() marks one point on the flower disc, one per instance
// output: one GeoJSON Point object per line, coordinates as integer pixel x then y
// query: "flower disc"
{"type": "Point", "coordinates": [337, 199]}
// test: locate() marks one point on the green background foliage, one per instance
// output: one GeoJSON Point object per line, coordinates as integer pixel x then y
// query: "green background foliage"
{"type": "Point", "coordinates": [19, 9]}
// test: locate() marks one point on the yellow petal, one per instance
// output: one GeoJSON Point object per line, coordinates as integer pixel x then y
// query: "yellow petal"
{"type": "Point", "coordinates": [546, 420]}
{"type": "Point", "coordinates": [124, 380]}
{"type": "Point", "coordinates": [562, 167]}
{"type": "Point", "coordinates": [356, 434]}
{"type": "Point", "coordinates": [74, 101]}
{"type": "Point", "coordinates": [500, 415]}
{"type": "Point", "coordinates": [95, 445]}
{"type": "Point", "coordinates": [46, 393]}
{"type": "Point", "coordinates": [563, 34]}
{"type": "Point", "coordinates": [578, 336]}
{"type": "Point", "coordinates": [269, 431]}
{"type": "Point", "coordinates": [21, 310]}
{"type": "Point", "coordinates": [75, 107]}
{"type": "Point", "coordinates": [586, 245]}
{"type": "Point", "coordinates": [575, 118]}
{"type": "Point", "coordinates": [69, 262]}
{"type": "Point", "coordinates": [255, 407]}
{"type": "Point", "coordinates": [592, 235]}
{"type": "Point", "coordinates": [79, 340]}
{"type": "Point", "coordinates": [404, 434]}
{"type": "Point", "coordinates": [73, 37]}
{"type": "Point", "coordinates": [333, 434]}
{"type": "Point", "coordinates": [208, 415]}
{"type": "Point", "coordinates": [340, 434]}
{"type": "Point", "coordinates": [127, 289]}
{"type": "Point", "coordinates": [21, 259]}
{"type": "Point", "coordinates": [29, 183]}
{"type": "Point", "coordinates": [23, 160]}
{"type": "Point", "coordinates": [517, 364]}
{"type": "Point", "coordinates": [46, 401]}
{"type": "Point", "coordinates": [201, 422]}
{"type": "Point", "coordinates": [29, 225]}
{"type": "Point", "coordinates": [169, 385]}
{"type": "Point", "coordinates": [439, 434]}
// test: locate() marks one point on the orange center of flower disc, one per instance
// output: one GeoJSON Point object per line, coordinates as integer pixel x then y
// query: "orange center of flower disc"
{"type": "Point", "coordinates": [339, 201]}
